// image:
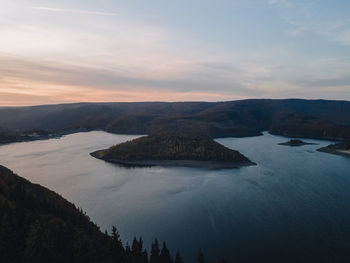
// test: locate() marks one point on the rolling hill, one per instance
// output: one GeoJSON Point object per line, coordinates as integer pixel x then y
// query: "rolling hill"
{"type": "Point", "coordinates": [320, 119]}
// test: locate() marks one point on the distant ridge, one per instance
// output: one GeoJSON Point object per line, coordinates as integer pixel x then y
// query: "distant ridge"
{"type": "Point", "coordinates": [319, 119]}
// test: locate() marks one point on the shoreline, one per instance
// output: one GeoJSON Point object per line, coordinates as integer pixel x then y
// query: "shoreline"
{"type": "Point", "coordinates": [53, 135]}
{"type": "Point", "coordinates": [60, 134]}
{"type": "Point", "coordinates": [340, 152]}
{"type": "Point", "coordinates": [211, 165]}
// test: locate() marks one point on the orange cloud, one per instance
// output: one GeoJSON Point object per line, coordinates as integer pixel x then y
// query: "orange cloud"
{"type": "Point", "coordinates": [17, 92]}
{"type": "Point", "coordinates": [27, 81]}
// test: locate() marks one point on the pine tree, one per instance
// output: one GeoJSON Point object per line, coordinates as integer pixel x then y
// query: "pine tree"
{"type": "Point", "coordinates": [165, 254]}
{"type": "Point", "coordinates": [143, 252]}
{"type": "Point", "coordinates": [178, 258]}
{"type": "Point", "coordinates": [155, 252]}
{"type": "Point", "coordinates": [135, 246]}
{"type": "Point", "coordinates": [200, 257]}
{"type": "Point", "coordinates": [118, 251]}
{"type": "Point", "coordinates": [49, 241]}
{"type": "Point", "coordinates": [128, 253]}
{"type": "Point", "coordinates": [116, 239]}
{"type": "Point", "coordinates": [127, 247]}
{"type": "Point", "coordinates": [8, 242]}
{"type": "Point", "coordinates": [138, 255]}
{"type": "Point", "coordinates": [144, 256]}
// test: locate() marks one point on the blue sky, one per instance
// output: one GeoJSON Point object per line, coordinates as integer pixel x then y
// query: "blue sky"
{"type": "Point", "coordinates": [67, 51]}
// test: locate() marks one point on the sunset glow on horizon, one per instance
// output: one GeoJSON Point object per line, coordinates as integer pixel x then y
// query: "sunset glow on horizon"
{"type": "Point", "coordinates": [102, 51]}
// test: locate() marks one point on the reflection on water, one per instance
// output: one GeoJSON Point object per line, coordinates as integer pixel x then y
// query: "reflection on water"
{"type": "Point", "coordinates": [295, 197]}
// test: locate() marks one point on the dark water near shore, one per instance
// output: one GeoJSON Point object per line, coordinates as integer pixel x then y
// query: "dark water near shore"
{"type": "Point", "coordinates": [295, 200]}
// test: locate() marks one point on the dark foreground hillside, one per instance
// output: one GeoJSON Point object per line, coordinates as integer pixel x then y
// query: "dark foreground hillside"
{"type": "Point", "coordinates": [37, 225]}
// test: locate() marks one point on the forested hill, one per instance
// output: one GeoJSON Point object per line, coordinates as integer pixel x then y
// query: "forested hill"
{"type": "Point", "coordinates": [37, 226]}
{"type": "Point", "coordinates": [290, 117]}
{"type": "Point", "coordinates": [174, 149]}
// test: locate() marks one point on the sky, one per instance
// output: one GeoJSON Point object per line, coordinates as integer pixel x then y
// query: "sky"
{"type": "Point", "coordinates": [165, 50]}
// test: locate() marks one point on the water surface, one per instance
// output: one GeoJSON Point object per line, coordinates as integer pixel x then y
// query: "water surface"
{"type": "Point", "coordinates": [295, 199]}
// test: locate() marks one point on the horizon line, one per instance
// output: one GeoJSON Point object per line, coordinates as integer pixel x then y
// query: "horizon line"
{"type": "Point", "coordinates": [156, 101]}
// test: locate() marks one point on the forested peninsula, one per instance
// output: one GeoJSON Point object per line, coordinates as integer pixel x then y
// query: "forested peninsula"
{"type": "Point", "coordinates": [173, 149]}
{"type": "Point", "coordinates": [342, 148]}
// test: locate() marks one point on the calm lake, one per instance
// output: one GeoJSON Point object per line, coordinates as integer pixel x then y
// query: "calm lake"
{"type": "Point", "coordinates": [295, 199]}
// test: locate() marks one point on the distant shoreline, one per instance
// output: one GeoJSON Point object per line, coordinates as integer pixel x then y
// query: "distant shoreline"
{"type": "Point", "coordinates": [345, 153]}
{"type": "Point", "coordinates": [342, 149]}
{"type": "Point", "coordinates": [47, 136]}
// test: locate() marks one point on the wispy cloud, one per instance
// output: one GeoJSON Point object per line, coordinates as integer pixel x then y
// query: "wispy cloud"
{"type": "Point", "coordinates": [308, 19]}
{"type": "Point", "coordinates": [199, 77]}
{"type": "Point", "coordinates": [75, 11]}
{"type": "Point", "coordinates": [26, 91]}
{"type": "Point", "coordinates": [336, 30]}
{"type": "Point", "coordinates": [344, 37]}
{"type": "Point", "coordinates": [282, 3]}
{"type": "Point", "coordinates": [122, 54]}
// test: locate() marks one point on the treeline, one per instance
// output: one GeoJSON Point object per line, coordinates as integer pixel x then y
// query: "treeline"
{"type": "Point", "coordinates": [137, 254]}
{"type": "Point", "coordinates": [9, 136]}
{"type": "Point", "coordinates": [37, 226]}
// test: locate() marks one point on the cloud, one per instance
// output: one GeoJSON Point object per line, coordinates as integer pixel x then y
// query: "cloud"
{"type": "Point", "coordinates": [307, 23]}
{"type": "Point", "coordinates": [16, 99]}
{"type": "Point", "coordinates": [333, 31]}
{"type": "Point", "coordinates": [74, 11]}
{"type": "Point", "coordinates": [344, 37]}
{"type": "Point", "coordinates": [328, 29]}
{"type": "Point", "coordinates": [199, 78]}
{"type": "Point", "coordinates": [25, 92]}
{"type": "Point", "coordinates": [339, 81]}
{"type": "Point", "coordinates": [55, 81]}
{"type": "Point", "coordinates": [282, 3]}
{"type": "Point", "coordinates": [78, 57]}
